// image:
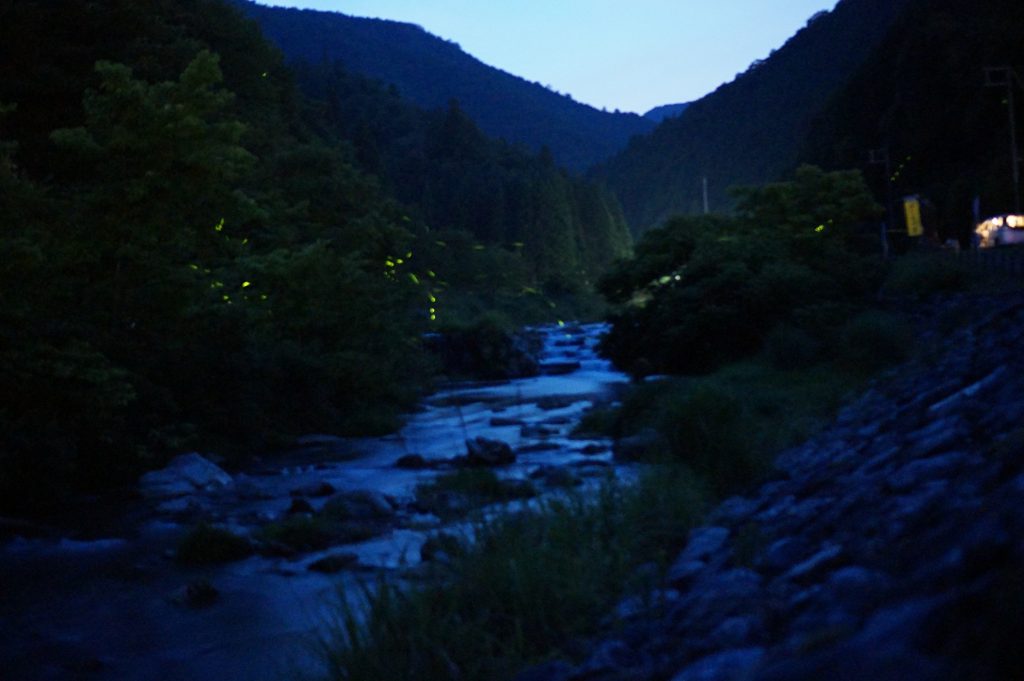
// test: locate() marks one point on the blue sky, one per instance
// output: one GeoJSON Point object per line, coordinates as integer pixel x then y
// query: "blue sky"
{"type": "Point", "coordinates": [616, 54]}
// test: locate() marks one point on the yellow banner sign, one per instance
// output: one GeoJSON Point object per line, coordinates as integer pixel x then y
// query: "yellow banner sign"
{"type": "Point", "coordinates": [912, 211]}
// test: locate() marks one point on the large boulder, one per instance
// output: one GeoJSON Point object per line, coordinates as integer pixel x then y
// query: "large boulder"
{"type": "Point", "coordinates": [184, 475]}
{"type": "Point", "coordinates": [483, 452]}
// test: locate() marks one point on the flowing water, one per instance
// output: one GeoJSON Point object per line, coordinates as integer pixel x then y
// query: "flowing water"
{"type": "Point", "coordinates": [110, 608]}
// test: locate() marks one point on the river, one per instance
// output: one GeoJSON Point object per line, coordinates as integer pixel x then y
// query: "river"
{"type": "Point", "coordinates": [109, 607]}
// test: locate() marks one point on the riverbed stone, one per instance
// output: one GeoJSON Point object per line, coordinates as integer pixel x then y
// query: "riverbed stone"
{"type": "Point", "coordinates": [481, 451]}
{"type": "Point", "coordinates": [185, 474]}
{"type": "Point", "coordinates": [413, 462]}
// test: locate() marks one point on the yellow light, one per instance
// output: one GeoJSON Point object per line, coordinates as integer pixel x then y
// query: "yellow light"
{"type": "Point", "coordinates": [219, 227]}
{"type": "Point", "coordinates": [430, 273]}
{"type": "Point", "coordinates": [433, 317]}
{"type": "Point", "coordinates": [399, 261]}
{"type": "Point", "coordinates": [432, 298]}
{"type": "Point", "coordinates": [408, 255]}
{"type": "Point", "coordinates": [226, 297]}
{"type": "Point", "coordinates": [389, 263]}
{"type": "Point", "coordinates": [246, 284]}
{"type": "Point", "coordinates": [413, 278]}
{"type": "Point", "coordinates": [193, 267]}
{"type": "Point", "coordinates": [819, 228]}
{"type": "Point", "coordinates": [263, 296]}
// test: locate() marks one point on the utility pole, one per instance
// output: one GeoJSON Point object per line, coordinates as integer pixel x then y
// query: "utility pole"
{"type": "Point", "coordinates": [1006, 76]}
{"type": "Point", "coordinates": [707, 208]}
{"type": "Point", "coordinates": [881, 157]}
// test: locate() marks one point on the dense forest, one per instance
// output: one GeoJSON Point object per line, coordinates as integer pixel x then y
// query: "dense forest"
{"type": "Point", "coordinates": [751, 130]}
{"type": "Point", "coordinates": [921, 97]}
{"type": "Point", "coordinates": [430, 71]}
{"type": "Point", "coordinates": [196, 254]}
{"type": "Point", "coordinates": [455, 179]}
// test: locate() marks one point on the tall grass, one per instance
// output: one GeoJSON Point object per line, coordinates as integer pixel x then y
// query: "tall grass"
{"type": "Point", "coordinates": [525, 588]}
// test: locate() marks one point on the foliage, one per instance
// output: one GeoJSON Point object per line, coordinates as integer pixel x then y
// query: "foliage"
{"type": "Point", "coordinates": [705, 291]}
{"type": "Point", "coordinates": [526, 587]}
{"type": "Point", "coordinates": [874, 340]}
{"type": "Point", "coordinates": [455, 493]}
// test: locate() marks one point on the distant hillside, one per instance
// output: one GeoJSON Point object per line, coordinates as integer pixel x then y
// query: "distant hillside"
{"type": "Point", "coordinates": [660, 113]}
{"type": "Point", "coordinates": [430, 72]}
{"type": "Point", "coordinates": [750, 130]}
{"type": "Point", "coordinates": [922, 95]}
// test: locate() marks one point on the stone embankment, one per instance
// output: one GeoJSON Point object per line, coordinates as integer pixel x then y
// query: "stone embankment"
{"type": "Point", "coordinates": [889, 547]}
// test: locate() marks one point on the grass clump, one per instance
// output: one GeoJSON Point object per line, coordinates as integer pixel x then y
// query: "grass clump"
{"type": "Point", "coordinates": [458, 493]}
{"type": "Point", "coordinates": [304, 533]}
{"type": "Point", "coordinates": [208, 545]}
{"type": "Point", "coordinates": [526, 586]}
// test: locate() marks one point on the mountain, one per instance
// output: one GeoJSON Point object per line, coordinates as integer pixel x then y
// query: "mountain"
{"type": "Point", "coordinates": [748, 131]}
{"type": "Point", "coordinates": [430, 72]}
{"type": "Point", "coordinates": [921, 95]}
{"type": "Point", "coordinates": [660, 113]}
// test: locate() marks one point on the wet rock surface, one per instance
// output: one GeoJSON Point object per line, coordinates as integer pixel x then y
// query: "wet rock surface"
{"type": "Point", "coordinates": [891, 546]}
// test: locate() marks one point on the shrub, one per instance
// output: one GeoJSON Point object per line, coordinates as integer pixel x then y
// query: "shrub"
{"type": "Point", "coordinates": [874, 340]}
{"type": "Point", "coordinates": [705, 430]}
{"type": "Point", "coordinates": [208, 545]}
{"type": "Point", "coordinates": [788, 347]}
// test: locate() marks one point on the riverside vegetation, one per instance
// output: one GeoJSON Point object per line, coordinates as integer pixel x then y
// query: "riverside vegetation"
{"type": "Point", "coordinates": [523, 589]}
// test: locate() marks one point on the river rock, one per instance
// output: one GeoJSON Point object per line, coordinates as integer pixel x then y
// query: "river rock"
{"type": "Point", "coordinates": [333, 563]}
{"type": "Point", "coordinates": [412, 462]}
{"type": "Point", "coordinates": [359, 505]}
{"type": "Point", "coordinates": [314, 489]}
{"type": "Point", "coordinates": [483, 452]}
{"type": "Point", "coordinates": [185, 474]}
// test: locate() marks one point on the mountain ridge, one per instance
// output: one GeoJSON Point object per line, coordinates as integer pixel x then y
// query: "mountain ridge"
{"type": "Point", "coordinates": [747, 131]}
{"type": "Point", "coordinates": [431, 71]}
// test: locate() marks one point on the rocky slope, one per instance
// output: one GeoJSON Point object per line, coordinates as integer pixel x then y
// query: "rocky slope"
{"type": "Point", "coordinates": [891, 546]}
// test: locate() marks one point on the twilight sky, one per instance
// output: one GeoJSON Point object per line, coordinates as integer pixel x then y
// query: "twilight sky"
{"type": "Point", "coordinates": [618, 54]}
